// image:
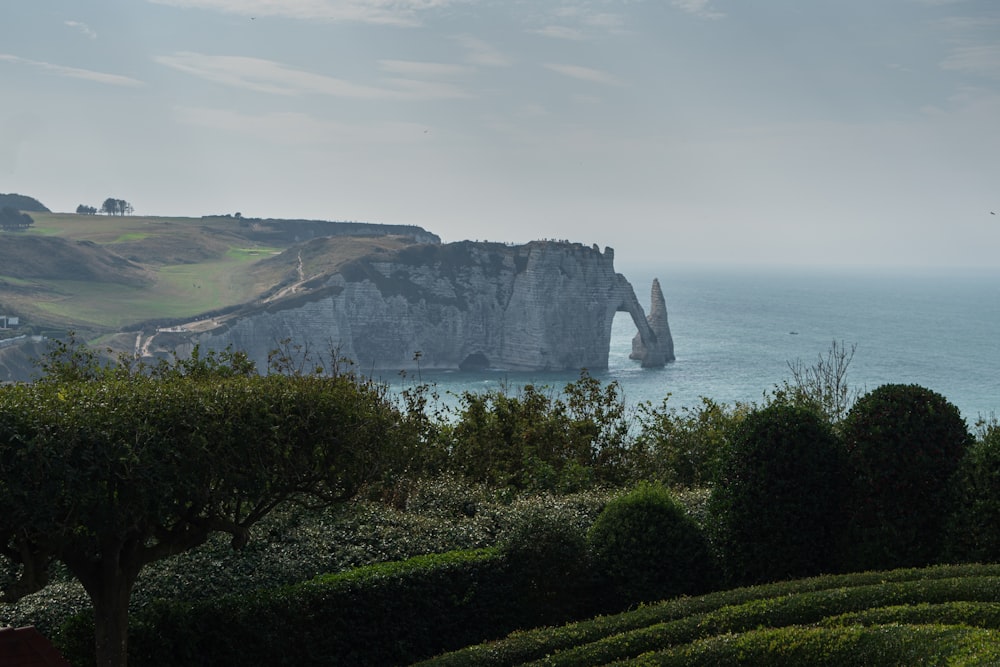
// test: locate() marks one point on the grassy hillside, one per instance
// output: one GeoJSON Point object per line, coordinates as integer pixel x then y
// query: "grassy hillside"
{"type": "Point", "coordinates": [99, 274]}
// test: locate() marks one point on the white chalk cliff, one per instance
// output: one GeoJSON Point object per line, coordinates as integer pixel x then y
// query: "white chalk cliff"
{"type": "Point", "coordinates": [544, 305]}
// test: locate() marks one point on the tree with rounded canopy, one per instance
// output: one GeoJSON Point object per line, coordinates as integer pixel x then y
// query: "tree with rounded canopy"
{"type": "Point", "coordinates": [106, 469]}
{"type": "Point", "coordinates": [904, 444]}
{"type": "Point", "coordinates": [777, 507]}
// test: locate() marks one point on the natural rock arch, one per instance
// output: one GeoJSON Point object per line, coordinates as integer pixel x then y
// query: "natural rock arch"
{"type": "Point", "coordinates": [653, 345]}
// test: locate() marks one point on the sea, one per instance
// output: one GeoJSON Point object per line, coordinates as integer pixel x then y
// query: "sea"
{"type": "Point", "coordinates": [736, 330]}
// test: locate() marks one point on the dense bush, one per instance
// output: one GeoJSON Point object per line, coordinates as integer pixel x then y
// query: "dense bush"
{"type": "Point", "coordinates": [539, 439]}
{"type": "Point", "coordinates": [386, 614]}
{"type": "Point", "coordinates": [648, 547]}
{"type": "Point", "coordinates": [548, 550]}
{"type": "Point", "coordinates": [777, 509]}
{"type": "Point", "coordinates": [296, 544]}
{"type": "Point", "coordinates": [683, 447]}
{"type": "Point", "coordinates": [904, 444]}
{"type": "Point", "coordinates": [973, 533]}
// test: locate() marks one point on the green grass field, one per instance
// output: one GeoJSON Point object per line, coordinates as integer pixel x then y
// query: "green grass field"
{"type": "Point", "coordinates": [150, 268]}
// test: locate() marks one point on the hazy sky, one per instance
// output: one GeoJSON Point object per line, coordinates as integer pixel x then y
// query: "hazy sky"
{"type": "Point", "coordinates": [750, 131]}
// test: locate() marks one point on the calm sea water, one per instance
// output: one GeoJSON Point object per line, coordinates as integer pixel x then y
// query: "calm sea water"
{"type": "Point", "coordinates": [736, 330]}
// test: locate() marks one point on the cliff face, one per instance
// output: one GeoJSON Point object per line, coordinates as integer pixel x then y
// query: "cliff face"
{"type": "Point", "coordinates": [540, 306]}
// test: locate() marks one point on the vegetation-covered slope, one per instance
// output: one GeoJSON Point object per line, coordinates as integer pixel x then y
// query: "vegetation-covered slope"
{"type": "Point", "coordinates": [98, 274]}
{"type": "Point", "coordinates": [939, 615]}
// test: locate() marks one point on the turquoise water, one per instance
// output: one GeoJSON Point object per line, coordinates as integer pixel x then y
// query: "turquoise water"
{"type": "Point", "coordinates": [736, 330]}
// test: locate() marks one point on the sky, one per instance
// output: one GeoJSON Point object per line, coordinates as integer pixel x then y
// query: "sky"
{"type": "Point", "coordinates": [771, 132]}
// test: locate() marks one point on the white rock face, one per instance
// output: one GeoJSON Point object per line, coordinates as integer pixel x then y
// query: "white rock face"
{"type": "Point", "coordinates": [658, 323]}
{"type": "Point", "coordinates": [539, 306]}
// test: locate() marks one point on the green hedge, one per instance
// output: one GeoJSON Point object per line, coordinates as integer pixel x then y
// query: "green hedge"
{"type": "Point", "coordinates": [392, 613]}
{"type": "Point", "coordinates": [884, 646]}
{"type": "Point", "coordinates": [904, 444]}
{"type": "Point", "coordinates": [777, 511]}
{"type": "Point", "coordinates": [648, 548]}
{"type": "Point", "coordinates": [682, 621]}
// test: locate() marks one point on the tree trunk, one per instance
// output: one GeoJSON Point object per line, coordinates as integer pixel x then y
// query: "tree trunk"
{"type": "Point", "coordinates": [111, 622]}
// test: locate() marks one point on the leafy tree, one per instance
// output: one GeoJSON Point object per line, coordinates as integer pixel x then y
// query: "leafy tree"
{"type": "Point", "coordinates": [22, 203]}
{"type": "Point", "coordinates": [11, 218]}
{"type": "Point", "coordinates": [112, 206]}
{"type": "Point", "coordinates": [974, 528]}
{"type": "Point", "coordinates": [684, 447]}
{"type": "Point", "coordinates": [777, 508]}
{"type": "Point", "coordinates": [83, 209]}
{"type": "Point", "coordinates": [539, 439]}
{"type": "Point", "coordinates": [107, 470]}
{"type": "Point", "coordinates": [648, 548]}
{"type": "Point", "coordinates": [904, 444]}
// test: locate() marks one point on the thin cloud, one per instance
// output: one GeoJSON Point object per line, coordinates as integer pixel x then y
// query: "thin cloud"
{"type": "Point", "coordinates": [481, 53]}
{"type": "Point", "coordinates": [403, 13]}
{"type": "Point", "coordinates": [606, 21]}
{"type": "Point", "coordinates": [560, 32]}
{"type": "Point", "coordinates": [580, 23]}
{"type": "Point", "coordinates": [82, 27]}
{"type": "Point", "coordinates": [584, 74]}
{"type": "Point", "coordinates": [700, 8]}
{"type": "Point", "coordinates": [424, 69]}
{"type": "Point", "coordinates": [268, 76]}
{"type": "Point", "coordinates": [427, 90]}
{"type": "Point", "coordinates": [74, 72]}
{"type": "Point", "coordinates": [299, 129]}
{"type": "Point", "coordinates": [978, 60]}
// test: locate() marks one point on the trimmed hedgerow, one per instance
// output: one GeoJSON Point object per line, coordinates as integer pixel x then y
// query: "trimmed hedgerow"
{"type": "Point", "coordinates": [784, 611]}
{"type": "Point", "coordinates": [977, 614]}
{"type": "Point", "coordinates": [904, 444]}
{"type": "Point", "coordinates": [391, 613]}
{"type": "Point", "coordinates": [381, 614]}
{"type": "Point", "coordinates": [683, 620]}
{"type": "Point", "coordinates": [647, 546]}
{"type": "Point", "coordinates": [777, 508]}
{"type": "Point", "coordinates": [883, 646]}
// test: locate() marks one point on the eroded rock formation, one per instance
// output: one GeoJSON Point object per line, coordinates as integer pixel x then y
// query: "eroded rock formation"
{"type": "Point", "coordinates": [660, 327]}
{"type": "Point", "coordinates": [540, 306]}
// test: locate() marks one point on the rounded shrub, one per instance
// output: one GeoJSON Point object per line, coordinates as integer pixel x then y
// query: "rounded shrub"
{"type": "Point", "coordinates": [646, 546]}
{"type": "Point", "coordinates": [904, 445]}
{"type": "Point", "coordinates": [546, 552]}
{"type": "Point", "coordinates": [776, 511]}
{"type": "Point", "coordinates": [973, 534]}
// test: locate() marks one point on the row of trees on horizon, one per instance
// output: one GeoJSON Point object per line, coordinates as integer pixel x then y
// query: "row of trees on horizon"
{"type": "Point", "coordinates": [111, 206]}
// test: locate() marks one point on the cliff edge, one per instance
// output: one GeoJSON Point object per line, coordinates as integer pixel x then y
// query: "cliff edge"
{"type": "Point", "coordinates": [544, 305]}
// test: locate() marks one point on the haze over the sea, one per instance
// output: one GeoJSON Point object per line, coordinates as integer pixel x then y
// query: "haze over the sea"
{"type": "Point", "coordinates": [736, 330]}
{"type": "Point", "coordinates": [723, 131]}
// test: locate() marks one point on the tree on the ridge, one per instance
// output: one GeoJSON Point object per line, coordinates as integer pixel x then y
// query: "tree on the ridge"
{"type": "Point", "coordinates": [13, 219]}
{"type": "Point", "coordinates": [112, 206]}
{"type": "Point", "coordinates": [22, 203]}
{"type": "Point", "coordinates": [83, 209]}
{"type": "Point", "coordinates": [107, 470]}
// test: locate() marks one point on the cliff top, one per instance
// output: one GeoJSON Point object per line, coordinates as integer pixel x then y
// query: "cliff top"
{"type": "Point", "coordinates": [95, 274]}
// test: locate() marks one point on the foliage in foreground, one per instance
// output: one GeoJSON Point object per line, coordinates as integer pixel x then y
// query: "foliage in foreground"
{"type": "Point", "coordinates": [804, 620]}
{"type": "Point", "coordinates": [391, 613]}
{"type": "Point", "coordinates": [105, 470]}
{"type": "Point", "coordinates": [778, 507]}
{"type": "Point", "coordinates": [648, 548]}
{"type": "Point", "coordinates": [535, 441]}
{"type": "Point", "coordinates": [904, 444]}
